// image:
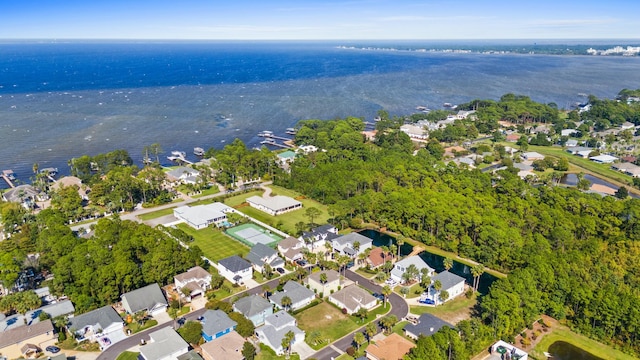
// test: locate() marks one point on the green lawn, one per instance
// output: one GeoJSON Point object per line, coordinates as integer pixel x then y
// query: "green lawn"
{"type": "Point", "coordinates": [397, 328]}
{"type": "Point", "coordinates": [210, 191]}
{"type": "Point", "coordinates": [328, 320]}
{"type": "Point", "coordinates": [214, 243]}
{"type": "Point", "coordinates": [128, 355]}
{"type": "Point", "coordinates": [155, 214]}
{"type": "Point", "coordinates": [239, 199]}
{"type": "Point", "coordinates": [451, 311]}
{"type": "Point", "coordinates": [563, 334]}
{"type": "Point", "coordinates": [266, 353]}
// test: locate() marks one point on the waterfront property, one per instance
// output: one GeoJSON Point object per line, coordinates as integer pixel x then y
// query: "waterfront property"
{"type": "Point", "coordinates": [165, 344]}
{"type": "Point", "coordinates": [201, 216]}
{"type": "Point", "coordinates": [400, 267]}
{"type": "Point", "coordinates": [102, 325]}
{"type": "Point", "coordinates": [149, 298]}
{"type": "Point", "coordinates": [235, 269]}
{"type": "Point", "coordinates": [184, 175]}
{"type": "Point", "coordinates": [451, 283]}
{"type": "Point", "coordinates": [346, 244]}
{"type": "Point", "coordinates": [215, 324]}
{"type": "Point", "coordinates": [274, 205]}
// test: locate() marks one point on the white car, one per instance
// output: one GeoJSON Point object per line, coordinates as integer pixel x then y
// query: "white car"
{"type": "Point", "coordinates": [390, 281]}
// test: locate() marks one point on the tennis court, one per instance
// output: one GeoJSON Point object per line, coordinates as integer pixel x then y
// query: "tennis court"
{"type": "Point", "coordinates": [252, 234]}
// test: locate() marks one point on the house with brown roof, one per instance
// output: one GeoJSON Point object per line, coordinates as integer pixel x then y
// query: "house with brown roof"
{"type": "Point", "coordinates": [26, 341]}
{"type": "Point", "coordinates": [226, 348]}
{"type": "Point", "coordinates": [291, 248]}
{"type": "Point", "coordinates": [393, 347]}
{"type": "Point", "coordinates": [197, 280]}
{"type": "Point", "coordinates": [376, 257]}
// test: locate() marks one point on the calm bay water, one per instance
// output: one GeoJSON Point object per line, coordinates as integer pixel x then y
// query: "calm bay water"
{"type": "Point", "coordinates": [62, 100]}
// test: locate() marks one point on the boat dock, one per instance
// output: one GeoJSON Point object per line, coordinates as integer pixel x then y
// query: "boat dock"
{"type": "Point", "coordinates": [274, 143]}
{"type": "Point", "coordinates": [8, 176]}
{"type": "Point", "coordinates": [179, 156]}
{"type": "Point", "coordinates": [291, 131]}
{"type": "Point", "coordinates": [269, 134]}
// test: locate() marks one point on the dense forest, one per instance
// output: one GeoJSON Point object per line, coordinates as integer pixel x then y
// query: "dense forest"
{"type": "Point", "coordinates": [571, 255]}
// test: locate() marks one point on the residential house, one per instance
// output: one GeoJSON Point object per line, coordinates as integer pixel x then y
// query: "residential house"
{"type": "Point", "coordinates": [285, 158]}
{"type": "Point", "coordinates": [62, 308]}
{"type": "Point", "coordinates": [427, 325]}
{"type": "Point", "coordinates": [227, 348]}
{"type": "Point", "coordinates": [514, 352]}
{"type": "Point", "coordinates": [376, 257]}
{"type": "Point", "coordinates": [346, 244]}
{"type": "Point", "coordinates": [102, 325]}
{"type": "Point", "coordinates": [254, 307]}
{"type": "Point", "coordinates": [196, 280]}
{"type": "Point", "coordinates": [274, 205]}
{"type": "Point", "coordinates": [513, 137]}
{"type": "Point", "coordinates": [149, 298]}
{"type": "Point", "coordinates": [524, 170]}
{"type": "Point", "coordinates": [415, 131]}
{"type": "Point", "coordinates": [215, 324]}
{"type": "Point", "coordinates": [291, 248]}
{"type": "Point", "coordinates": [190, 355]}
{"type": "Point", "coordinates": [401, 266]}
{"type": "Point", "coordinates": [184, 175]}
{"type": "Point", "coordinates": [353, 298]}
{"type": "Point", "coordinates": [306, 149]}
{"type": "Point", "coordinates": [261, 255]}
{"type": "Point", "coordinates": [201, 216]}
{"type": "Point", "coordinates": [603, 159]}
{"type": "Point", "coordinates": [315, 239]}
{"type": "Point", "coordinates": [580, 151]}
{"type": "Point", "coordinates": [11, 322]}
{"type": "Point", "coordinates": [627, 126]}
{"type": "Point", "coordinates": [164, 344]}
{"type": "Point", "coordinates": [568, 132]}
{"type": "Point", "coordinates": [330, 286]}
{"type": "Point", "coordinates": [235, 269]}
{"type": "Point", "coordinates": [300, 296]}
{"type": "Point", "coordinates": [393, 347]}
{"type": "Point", "coordinates": [571, 143]}
{"type": "Point", "coordinates": [27, 341]}
{"type": "Point", "coordinates": [531, 156]}
{"type": "Point", "coordinates": [67, 181]}
{"type": "Point", "coordinates": [26, 195]}
{"type": "Point", "coordinates": [451, 283]}
{"type": "Point", "coordinates": [274, 329]}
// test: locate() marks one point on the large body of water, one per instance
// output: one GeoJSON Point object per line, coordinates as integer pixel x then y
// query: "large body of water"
{"type": "Point", "coordinates": [62, 100]}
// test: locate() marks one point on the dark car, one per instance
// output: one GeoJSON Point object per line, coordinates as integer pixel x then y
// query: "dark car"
{"type": "Point", "coordinates": [52, 349]}
{"type": "Point", "coordinates": [378, 296]}
{"type": "Point", "coordinates": [200, 318]}
{"type": "Point", "coordinates": [181, 321]}
{"type": "Point", "coordinates": [301, 262]}
{"type": "Point", "coordinates": [280, 270]}
{"type": "Point", "coordinates": [427, 301]}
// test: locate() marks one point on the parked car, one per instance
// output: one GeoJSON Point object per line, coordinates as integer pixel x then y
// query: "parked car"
{"type": "Point", "coordinates": [280, 270]}
{"type": "Point", "coordinates": [181, 321]}
{"type": "Point", "coordinates": [427, 301]}
{"type": "Point", "coordinates": [200, 318]}
{"type": "Point", "coordinates": [301, 262]}
{"type": "Point", "coordinates": [390, 281]}
{"type": "Point", "coordinates": [52, 349]}
{"type": "Point", "coordinates": [378, 296]}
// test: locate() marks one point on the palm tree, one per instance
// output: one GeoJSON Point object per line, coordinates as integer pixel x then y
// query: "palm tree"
{"type": "Point", "coordinates": [286, 302]}
{"type": "Point", "coordinates": [386, 291]}
{"type": "Point", "coordinates": [323, 278]}
{"type": "Point", "coordinates": [400, 242]}
{"type": "Point", "coordinates": [371, 329]}
{"type": "Point", "coordinates": [388, 322]}
{"type": "Point", "coordinates": [444, 295]}
{"type": "Point", "coordinates": [359, 339]}
{"type": "Point", "coordinates": [476, 271]}
{"type": "Point", "coordinates": [356, 246]}
{"type": "Point", "coordinates": [393, 249]}
{"type": "Point", "coordinates": [314, 337]}
{"type": "Point", "coordinates": [286, 342]}
{"type": "Point", "coordinates": [437, 286]}
{"type": "Point", "coordinates": [266, 289]}
{"type": "Point", "coordinates": [329, 247]}
{"type": "Point", "coordinates": [448, 263]}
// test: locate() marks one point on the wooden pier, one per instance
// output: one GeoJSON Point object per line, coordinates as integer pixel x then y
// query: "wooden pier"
{"type": "Point", "coordinates": [270, 135]}
{"type": "Point", "coordinates": [8, 175]}
{"type": "Point", "coordinates": [267, 142]}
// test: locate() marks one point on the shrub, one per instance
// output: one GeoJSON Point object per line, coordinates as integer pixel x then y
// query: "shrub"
{"type": "Point", "coordinates": [344, 311]}
{"type": "Point", "coordinates": [469, 293]}
{"type": "Point", "coordinates": [351, 351]}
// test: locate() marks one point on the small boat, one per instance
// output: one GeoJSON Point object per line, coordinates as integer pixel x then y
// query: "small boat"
{"type": "Point", "coordinates": [447, 105]}
{"type": "Point", "coordinates": [178, 153]}
{"type": "Point", "coordinates": [421, 108]}
{"type": "Point", "coordinates": [198, 151]}
{"type": "Point", "coordinates": [9, 174]}
{"type": "Point", "coordinates": [266, 133]}
{"type": "Point", "coordinates": [51, 171]}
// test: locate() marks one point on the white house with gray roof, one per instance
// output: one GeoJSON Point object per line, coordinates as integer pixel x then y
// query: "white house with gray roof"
{"type": "Point", "coordinates": [401, 266]}
{"type": "Point", "coordinates": [255, 308]}
{"type": "Point", "coordinates": [300, 296]}
{"type": "Point", "coordinates": [274, 329]}
{"type": "Point", "coordinates": [164, 344]}
{"type": "Point", "coordinates": [345, 244]}
{"type": "Point", "coordinates": [260, 255]}
{"type": "Point", "coordinates": [235, 269]}
{"type": "Point", "coordinates": [201, 216]}
{"type": "Point", "coordinates": [102, 325]}
{"type": "Point", "coordinates": [149, 298]}
{"type": "Point", "coordinates": [451, 283]}
{"type": "Point", "coordinates": [274, 205]}
{"type": "Point", "coordinates": [353, 298]}
{"type": "Point", "coordinates": [315, 239]}
{"type": "Point", "coordinates": [184, 175]}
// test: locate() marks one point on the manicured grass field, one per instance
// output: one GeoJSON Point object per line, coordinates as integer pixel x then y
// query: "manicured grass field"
{"type": "Point", "coordinates": [451, 311]}
{"type": "Point", "coordinates": [328, 320]}
{"type": "Point", "coordinates": [210, 191]}
{"type": "Point", "coordinates": [214, 243]}
{"type": "Point", "coordinates": [266, 353]}
{"type": "Point", "coordinates": [290, 219]}
{"type": "Point", "coordinates": [128, 355]}
{"type": "Point", "coordinates": [564, 334]}
{"type": "Point", "coordinates": [239, 199]}
{"type": "Point", "coordinates": [155, 214]}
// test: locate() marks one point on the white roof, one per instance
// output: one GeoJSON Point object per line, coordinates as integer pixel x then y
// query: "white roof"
{"type": "Point", "coordinates": [201, 214]}
{"type": "Point", "coordinates": [604, 158]}
{"type": "Point", "coordinates": [275, 202]}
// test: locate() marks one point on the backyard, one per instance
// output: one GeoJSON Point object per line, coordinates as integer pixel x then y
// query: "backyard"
{"type": "Point", "coordinates": [215, 245]}
{"type": "Point", "coordinates": [452, 311]}
{"type": "Point", "coordinates": [330, 322]}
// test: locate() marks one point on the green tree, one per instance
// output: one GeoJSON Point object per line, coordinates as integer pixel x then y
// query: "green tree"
{"type": "Point", "coordinates": [447, 263]}
{"type": "Point", "coordinates": [244, 326]}
{"type": "Point", "coordinates": [622, 193]}
{"type": "Point", "coordinates": [312, 213]}
{"type": "Point", "coordinates": [388, 322]}
{"type": "Point", "coordinates": [286, 302]}
{"type": "Point", "coordinates": [248, 351]}
{"type": "Point", "coordinates": [386, 291]}
{"type": "Point", "coordinates": [362, 313]}
{"type": "Point", "coordinates": [476, 271]}
{"type": "Point", "coordinates": [444, 295]}
{"type": "Point", "coordinates": [358, 339]}
{"type": "Point", "coordinates": [370, 329]}
{"type": "Point", "coordinates": [191, 332]}
{"type": "Point", "coordinates": [286, 341]}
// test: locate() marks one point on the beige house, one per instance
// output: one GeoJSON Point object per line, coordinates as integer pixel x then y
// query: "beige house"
{"type": "Point", "coordinates": [331, 286]}
{"type": "Point", "coordinates": [353, 298]}
{"type": "Point", "coordinates": [393, 347]}
{"type": "Point", "coordinates": [228, 347]}
{"type": "Point", "coordinates": [27, 341]}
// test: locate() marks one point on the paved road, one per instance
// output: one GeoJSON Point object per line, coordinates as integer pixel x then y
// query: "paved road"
{"type": "Point", "coordinates": [399, 308]}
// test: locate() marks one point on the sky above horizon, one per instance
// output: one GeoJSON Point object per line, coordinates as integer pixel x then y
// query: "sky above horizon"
{"type": "Point", "coordinates": [319, 19]}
